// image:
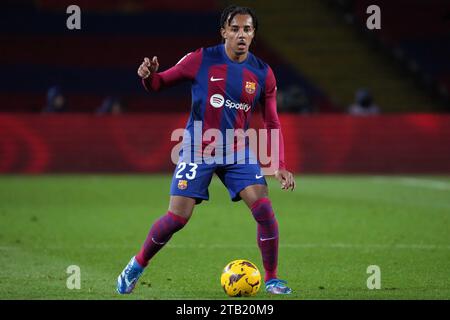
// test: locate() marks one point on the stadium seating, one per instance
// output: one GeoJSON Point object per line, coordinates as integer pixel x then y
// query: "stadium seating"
{"type": "Point", "coordinates": [101, 59]}
{"type": "Point", "coordinates": [316, 39]}
{"type": "Point", "coordinates": [306, 42]}
{"type": "Point", "coordinates": [419, 33]}
{"type": "Point", "coordinates": [131, 5]}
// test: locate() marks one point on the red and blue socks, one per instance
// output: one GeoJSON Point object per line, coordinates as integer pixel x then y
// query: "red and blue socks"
{"type": "Point", "coordinates": [267, 234]}
{"type": "Point", "coordinates": [160, 233]}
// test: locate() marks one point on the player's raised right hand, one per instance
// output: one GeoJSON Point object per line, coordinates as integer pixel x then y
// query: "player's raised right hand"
{"type": "Point", "coordinates": [148, 67]}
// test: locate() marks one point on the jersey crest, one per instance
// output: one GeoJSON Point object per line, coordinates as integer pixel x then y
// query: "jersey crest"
{"type": "Point", "coordinates": [250, 87]}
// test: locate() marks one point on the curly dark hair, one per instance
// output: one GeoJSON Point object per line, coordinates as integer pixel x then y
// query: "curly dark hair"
{"type": "Point", "coordinates": [229, 12]}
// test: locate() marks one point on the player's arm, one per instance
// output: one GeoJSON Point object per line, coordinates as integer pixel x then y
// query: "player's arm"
{"type": "Point", "coordinates": [271, 121]}
{"type": "Point", "coordinates": [185, 69]}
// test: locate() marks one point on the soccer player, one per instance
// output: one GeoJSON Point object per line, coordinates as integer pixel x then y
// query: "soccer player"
{"type": "Point", "coordinates": [227, 83]}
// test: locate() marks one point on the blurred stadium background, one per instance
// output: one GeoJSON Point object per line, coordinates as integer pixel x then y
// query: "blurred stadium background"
{"type": "Point", "coordinates": [323, 56]}
{"type": "Point", "coordinates": [325, 60]}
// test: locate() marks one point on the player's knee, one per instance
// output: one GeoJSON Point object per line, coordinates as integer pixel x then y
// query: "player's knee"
{"type": "Point", "coordinates": [181, 216]}
{"type": "Point", "coordinates": [163, 229]}
{"type": "Point", "coordinates": [182, 206]}
{"type": "Point", "coordinates": [262, 211]}
{"type": "Point", "coordinates": [179, 221]}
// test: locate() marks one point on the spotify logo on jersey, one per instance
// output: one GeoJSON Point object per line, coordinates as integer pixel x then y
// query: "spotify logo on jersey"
{"type": "Point", "coordinates": [217, 100]}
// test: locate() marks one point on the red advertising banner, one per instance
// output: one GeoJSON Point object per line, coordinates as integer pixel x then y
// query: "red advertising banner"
{"type": "Point", "coordinates": [76, 143]}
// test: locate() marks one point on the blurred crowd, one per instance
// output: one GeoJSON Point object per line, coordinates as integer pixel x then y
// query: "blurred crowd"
{"type": "Point", "coordinates": [293, 99]}
{"type": "Point", "coordinates": [57, 103]}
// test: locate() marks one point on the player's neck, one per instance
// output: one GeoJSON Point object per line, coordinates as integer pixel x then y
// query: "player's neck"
{"type": "Point", "coordinates": [235, 57]}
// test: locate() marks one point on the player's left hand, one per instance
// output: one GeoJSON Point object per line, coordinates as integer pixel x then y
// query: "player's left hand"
{"type": "Point", "coordinates": [286, 179]}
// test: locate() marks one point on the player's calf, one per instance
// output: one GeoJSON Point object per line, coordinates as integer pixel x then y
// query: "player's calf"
{"type": "Point", "coordinates": [267, 235]}
{"type": "Point", "coordinates": [160, 233]}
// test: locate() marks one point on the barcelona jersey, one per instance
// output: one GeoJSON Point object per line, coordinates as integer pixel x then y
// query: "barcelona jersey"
{"type": "Point", "coordinates": [225, 93]}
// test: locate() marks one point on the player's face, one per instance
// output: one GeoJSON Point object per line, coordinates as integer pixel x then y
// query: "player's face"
{"type": "Point", "coordinates": [239, 34]}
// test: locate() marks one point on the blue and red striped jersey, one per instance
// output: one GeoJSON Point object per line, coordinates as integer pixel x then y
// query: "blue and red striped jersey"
{"type": "Point", "coordinates": [224, 92]}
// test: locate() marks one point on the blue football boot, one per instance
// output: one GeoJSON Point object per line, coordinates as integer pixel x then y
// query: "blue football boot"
{"type": "Point", "coordinates": [129, 277]}
{"type": "Point", "coordinates": [277, 286]}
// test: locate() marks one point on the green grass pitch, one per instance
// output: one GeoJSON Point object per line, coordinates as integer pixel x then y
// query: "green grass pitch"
{"type": "Point", "coordinates": [331, 229]}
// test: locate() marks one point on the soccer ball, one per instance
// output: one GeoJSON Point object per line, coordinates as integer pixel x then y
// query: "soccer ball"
{"type": "Point", "coordinates": [240, 278]}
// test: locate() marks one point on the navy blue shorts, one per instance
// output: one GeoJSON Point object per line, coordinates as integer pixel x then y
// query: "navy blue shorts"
{"type": "Point", "coordinates": [192, 179]}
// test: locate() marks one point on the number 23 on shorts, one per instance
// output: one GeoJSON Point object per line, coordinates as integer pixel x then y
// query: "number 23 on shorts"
{"type": "Point", "coordinates": [190, 175]}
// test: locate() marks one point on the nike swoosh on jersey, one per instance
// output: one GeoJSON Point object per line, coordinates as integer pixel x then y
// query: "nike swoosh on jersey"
{"type": "Point", "coordinates": [215, 79]}
{"type": "Point", "coordinates": [258, 177]}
